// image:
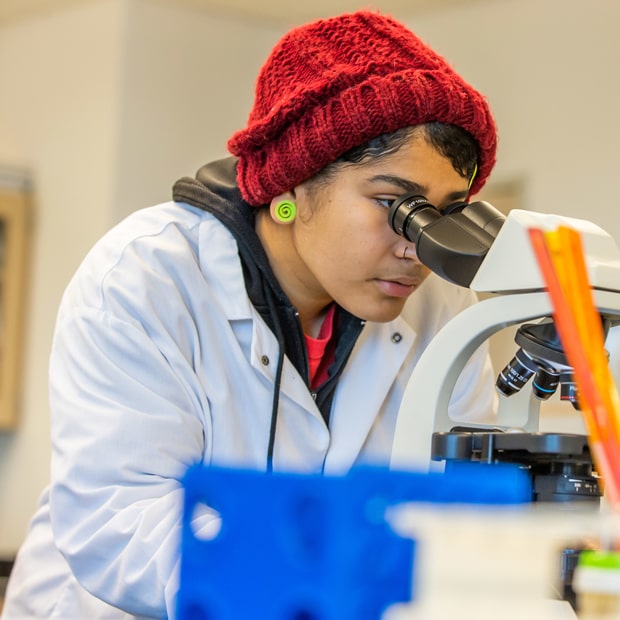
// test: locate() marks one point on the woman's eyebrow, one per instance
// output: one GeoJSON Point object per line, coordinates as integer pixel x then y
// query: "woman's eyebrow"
{"type": "Point", "coordinates": [404, 184]}
{"type": "Point", "coordinates": [411, 187]}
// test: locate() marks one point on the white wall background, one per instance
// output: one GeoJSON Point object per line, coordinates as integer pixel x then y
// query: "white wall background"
{"type": "Point", "coordinates": [59, 109]}
{"type": "Point", "coordinates": [107, 102]}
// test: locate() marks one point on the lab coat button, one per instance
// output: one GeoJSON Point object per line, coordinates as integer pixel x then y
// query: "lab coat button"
{"type": "Point", "coordinates": [396, 337]}
{"type": "Point", "coordinates": [265, 360]}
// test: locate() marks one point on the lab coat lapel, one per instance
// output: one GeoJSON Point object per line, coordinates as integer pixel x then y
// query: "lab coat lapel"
{"type": "Point", "coordinates": [264, 354]}
{"type": "Point", "coordinates": [378, 357]}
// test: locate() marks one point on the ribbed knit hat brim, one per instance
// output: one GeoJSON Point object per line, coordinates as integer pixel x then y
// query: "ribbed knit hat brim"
{"type": "Point", "coordinates": [335, 84]}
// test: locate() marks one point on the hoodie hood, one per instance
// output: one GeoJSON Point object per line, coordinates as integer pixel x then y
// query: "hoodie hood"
{"type": "Point", "coordinates": [215, 190]}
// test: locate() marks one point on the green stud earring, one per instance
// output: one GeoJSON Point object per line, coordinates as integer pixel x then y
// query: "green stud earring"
{"type": "Point", "coordinates": [286, 211]}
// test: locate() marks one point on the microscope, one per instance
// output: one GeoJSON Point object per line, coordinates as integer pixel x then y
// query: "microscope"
{"type": "Point", "coordinates": [476, 246]}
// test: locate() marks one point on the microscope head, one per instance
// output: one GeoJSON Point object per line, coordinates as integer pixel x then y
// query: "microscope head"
{"type": "Point", "coordinates": [453, 242]}
{"type": "Point", "coordinates": [476, 246]}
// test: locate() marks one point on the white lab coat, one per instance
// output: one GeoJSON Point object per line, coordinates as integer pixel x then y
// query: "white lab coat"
{"type": "Point", "coordinates": [160, 361]}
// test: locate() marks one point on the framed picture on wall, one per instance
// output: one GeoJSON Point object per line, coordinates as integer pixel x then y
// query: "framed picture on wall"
{"type": "Point", "coordinates": [15, 228]}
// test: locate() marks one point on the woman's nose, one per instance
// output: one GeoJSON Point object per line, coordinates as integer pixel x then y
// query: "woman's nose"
{"type": "Point", "coordinates": [406, 251]}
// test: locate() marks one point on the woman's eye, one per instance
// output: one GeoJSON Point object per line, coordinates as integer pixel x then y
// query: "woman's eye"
{"type": "Point", "coordinates": [385, 202]}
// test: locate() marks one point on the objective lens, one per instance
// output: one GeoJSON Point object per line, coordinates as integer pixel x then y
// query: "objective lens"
{"type": "Point", "coordinates": [545, 383]}
{"type": "Point", "coordinates": [568, 389]}
{"type": "Point", "coordinates": [516, 373]}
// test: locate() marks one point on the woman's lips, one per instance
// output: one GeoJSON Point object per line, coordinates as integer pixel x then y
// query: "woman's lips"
{"type": "Point", "coordinates": [396, 288]}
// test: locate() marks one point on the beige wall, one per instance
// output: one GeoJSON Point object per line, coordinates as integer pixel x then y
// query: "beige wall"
{"type": "Point", "coordinates": [107, 102]}
{"type": "Point", "coordinates": [59, 108]}
{"type": "Point", "coordinates": [187, 85]}
{"type": "Point", "coordinates": [548, 70]}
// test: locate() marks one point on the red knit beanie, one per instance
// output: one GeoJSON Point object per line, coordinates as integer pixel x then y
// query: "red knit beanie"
{"type": "Point", "coordinates": [336, 83]}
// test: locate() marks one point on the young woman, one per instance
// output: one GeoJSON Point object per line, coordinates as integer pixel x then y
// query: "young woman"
{"type": "Point", "coordinates": [265, 318]}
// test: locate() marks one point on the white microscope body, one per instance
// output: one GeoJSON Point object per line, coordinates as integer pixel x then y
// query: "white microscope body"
{"type": "Point", "coordinates": [509, 270]}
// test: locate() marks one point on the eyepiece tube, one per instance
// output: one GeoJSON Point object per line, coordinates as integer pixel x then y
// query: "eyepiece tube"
{"type": "Point", "coordinates": [485, 216]}
{"type": "Point", "coordinates": [452, 243]}
{"type": "Point", "coordinates": [405, 209]}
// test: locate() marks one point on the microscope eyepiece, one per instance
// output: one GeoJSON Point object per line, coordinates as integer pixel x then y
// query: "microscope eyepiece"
{"type": "Point", "coordinates": [455, 207]}
{"type": "Point", "coordinates": [403, 211]}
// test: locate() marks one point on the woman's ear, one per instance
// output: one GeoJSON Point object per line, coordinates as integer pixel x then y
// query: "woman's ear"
{"type": "Point", "coordinates": [283, 208]}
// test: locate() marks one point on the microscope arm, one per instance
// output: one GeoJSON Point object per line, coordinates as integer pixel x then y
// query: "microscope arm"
{"type": "Point", "coordinates": [424, 408]}
{"type": "Point", "coordinates": [498, 249]}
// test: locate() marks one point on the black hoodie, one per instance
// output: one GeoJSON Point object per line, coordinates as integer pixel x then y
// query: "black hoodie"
{"type": "Point", "coordinates": [215, 190]}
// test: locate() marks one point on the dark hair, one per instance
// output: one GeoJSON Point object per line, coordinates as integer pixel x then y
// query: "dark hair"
{"type": "Point", "coordinates": [453, 142]}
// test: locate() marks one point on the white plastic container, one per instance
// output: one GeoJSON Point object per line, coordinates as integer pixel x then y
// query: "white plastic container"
{"type": "Point", "coordinates": [596, 582]}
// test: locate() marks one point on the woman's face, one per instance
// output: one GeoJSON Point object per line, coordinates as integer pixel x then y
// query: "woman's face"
{"type": "Point", "coordinates": [340, 246]}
